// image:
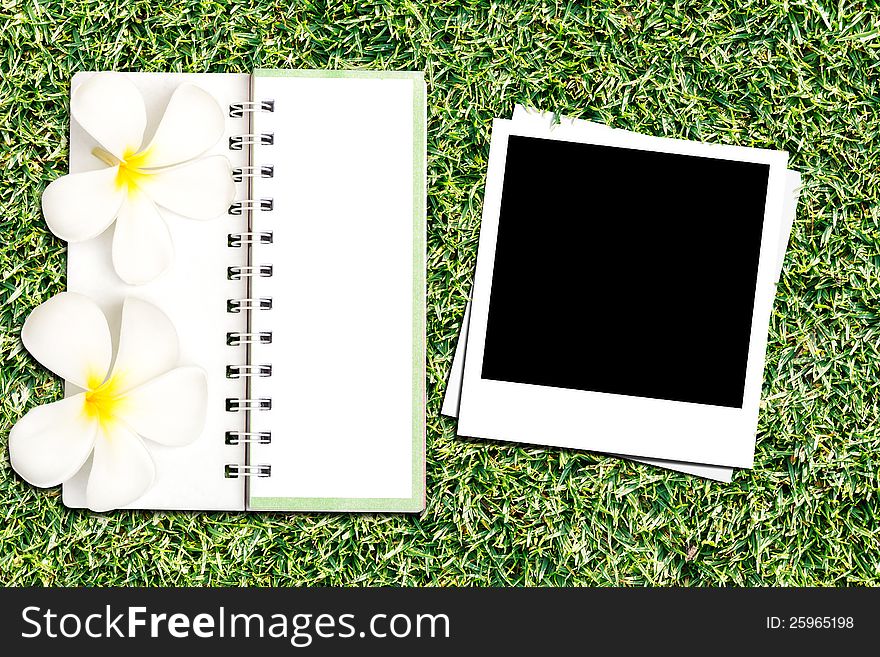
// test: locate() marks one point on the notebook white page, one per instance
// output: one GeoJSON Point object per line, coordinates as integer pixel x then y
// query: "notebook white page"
{"type": "Point", "coordinates": [193, 294]}
{"type": "Point", "coordinates": [586, 420]}
{"type": "Point", "coordinates": [347, 417]}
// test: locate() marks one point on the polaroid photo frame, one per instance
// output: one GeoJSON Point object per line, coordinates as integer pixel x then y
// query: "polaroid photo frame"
{"type": "Point", "coordinates": [695, 421]}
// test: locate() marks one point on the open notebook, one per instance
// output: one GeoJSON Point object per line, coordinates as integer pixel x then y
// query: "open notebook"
{"type": "Point", "coordinates": [315, 360]}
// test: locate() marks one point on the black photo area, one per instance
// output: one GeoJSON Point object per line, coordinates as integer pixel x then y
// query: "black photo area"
{"type": "Point", "coordinates": [625, 271]}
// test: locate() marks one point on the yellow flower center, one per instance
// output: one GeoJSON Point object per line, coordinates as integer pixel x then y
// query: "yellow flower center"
{"type": "Point", "coordinates": [131, 168]}
{"type": "Point", "coordinates": [104, 400]}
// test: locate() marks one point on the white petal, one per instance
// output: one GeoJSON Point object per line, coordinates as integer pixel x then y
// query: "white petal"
{"type": "Point", "coordinates": [148, 344]}
{"type": "Point", "coordinates": [50, 443]}
{"type": "Point", "coordinates": [81, 206]}
{"type": "Point", "coordinates": [122, 468]}
{"type": "Point", "coordinates": [111, 109]}
{"type": "Point", "coordinates": [69, 335]}
{"type": "Point", "coordinates": [200, 190]}
{"type": "Point", "coordinates": [142, 247]}
{"type": "Point", "coordinates": [192, 123]}
{"type": "Point", "coordinates": [170, 409]}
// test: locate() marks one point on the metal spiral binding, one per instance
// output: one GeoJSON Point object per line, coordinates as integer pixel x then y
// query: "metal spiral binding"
{"type": "Point", "coordinates": [246, 239]}
{"type": "Point", "coordinates": [237, 305]}
{"type": "Point", "coordinates": [238, 142]}
{"type": "Point", "coordinates": [237, 273]}
{"type": "Point", "coordinates": [249, 205]}
{"type": "Point", "coordinates": [236, 240]}
{"type": "Point", "coordinates": [239, 437]}
{"type": "Point", "coordinates": [234, 470]}
{"type": "Point", "coordinates": [236, 338]}
{"type": "Point", "coordinates": [238, 371]}
{"type": "Point", "coordinates": [236, 405]}
{"type": "Point", "coordinates": [238, 110]}
{"type": "Point", "coordinates": [240, 173]}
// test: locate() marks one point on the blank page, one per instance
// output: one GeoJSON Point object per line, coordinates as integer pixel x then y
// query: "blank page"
{"type": "Point", "coordinates": [347, 291]}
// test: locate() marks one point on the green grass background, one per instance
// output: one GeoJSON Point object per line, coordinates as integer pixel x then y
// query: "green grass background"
{"type": "Point", "coordinates": [795, 75]}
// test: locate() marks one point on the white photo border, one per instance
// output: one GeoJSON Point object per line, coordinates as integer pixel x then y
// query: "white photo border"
{"type": "Point", "coordinates": [596, 421]}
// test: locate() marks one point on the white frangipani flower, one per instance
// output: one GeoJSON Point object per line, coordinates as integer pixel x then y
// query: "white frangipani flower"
{"type": "Point", "coordinates": [144, 395]}
{"type": "Point", "coordinates": [140, 178]}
